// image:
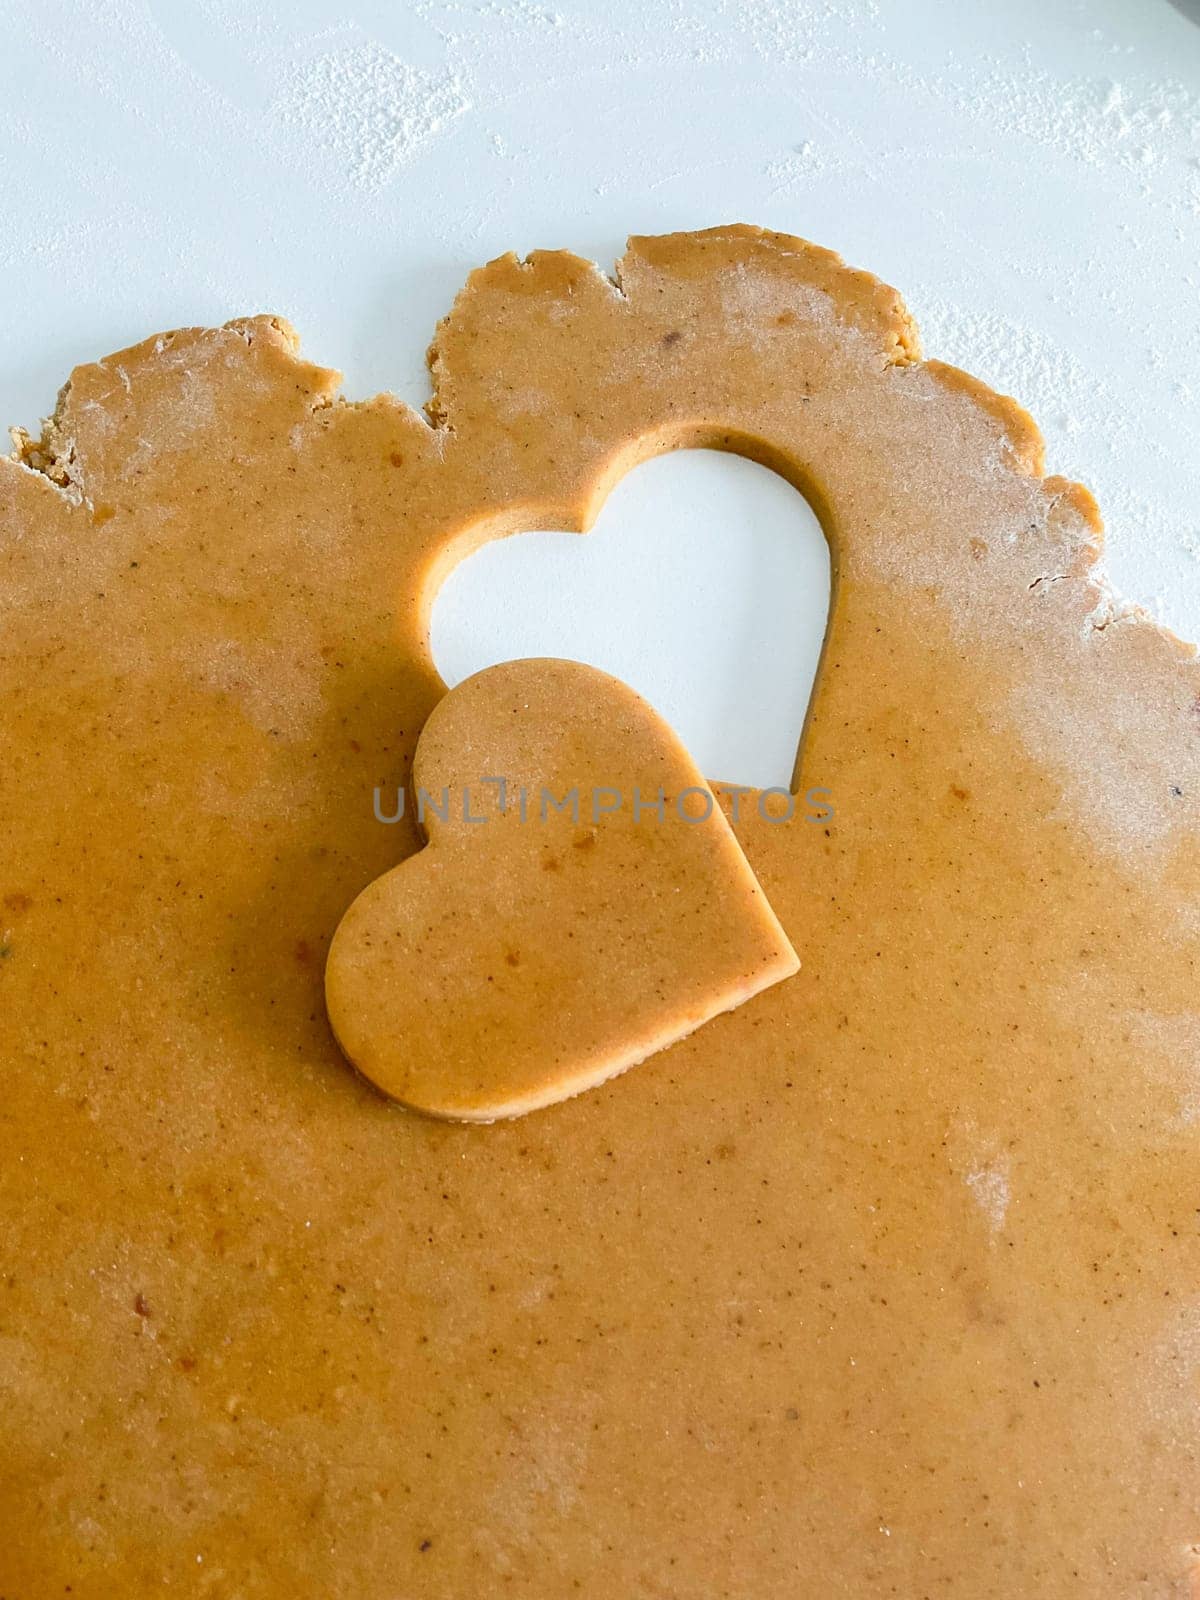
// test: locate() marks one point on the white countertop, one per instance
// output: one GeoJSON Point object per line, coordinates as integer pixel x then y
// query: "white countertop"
{"type": "Point", "coordinates": [1027, 174]}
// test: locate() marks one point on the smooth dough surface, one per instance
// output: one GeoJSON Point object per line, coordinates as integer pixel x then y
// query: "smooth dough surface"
{"type": "Point", "coordinates": [884, 1284]}
{"type": "Point", "coordinates": [581, 904]}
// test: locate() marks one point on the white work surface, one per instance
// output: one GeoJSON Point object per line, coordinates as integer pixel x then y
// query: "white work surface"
{"type": "Point", "coordinates": [1026, 172]}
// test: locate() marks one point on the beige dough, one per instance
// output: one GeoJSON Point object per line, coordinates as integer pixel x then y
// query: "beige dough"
{"type": "Point", "coordinates": [885, 1284]}
{"type": "Point", "coordinates": [581, 904]}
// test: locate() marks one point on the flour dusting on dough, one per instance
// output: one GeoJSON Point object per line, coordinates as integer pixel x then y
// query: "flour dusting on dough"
{"type": "Point", "coordinates": [1172, 1044]}
{"type": "Point", "coordinates": [990, 1186]}
{"type": "Point", "coordinates": [751, 301]}
{"type": "Point", "coordinates": [1171, 1374]}
{"type": "Point", "coordinates": [1020, 585]}
{"type": "Point", "coordinates": [278, 692]}
{"type": "Point", "coordinates": [542, 1472]}
{"type": "Point", "coordinates": [1108, 753]}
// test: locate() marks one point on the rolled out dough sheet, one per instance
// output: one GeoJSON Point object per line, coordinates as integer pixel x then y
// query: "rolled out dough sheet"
{"type": "Point", "coordinates": [883, 1284]}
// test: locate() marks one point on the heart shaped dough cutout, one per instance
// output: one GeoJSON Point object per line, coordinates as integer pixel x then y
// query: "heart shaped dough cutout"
{"type": "Point", "coordinates": [561, 925]}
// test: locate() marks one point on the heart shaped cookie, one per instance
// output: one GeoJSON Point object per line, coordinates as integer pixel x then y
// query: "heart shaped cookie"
{"type": "Point", "coordinates": [581, 903]}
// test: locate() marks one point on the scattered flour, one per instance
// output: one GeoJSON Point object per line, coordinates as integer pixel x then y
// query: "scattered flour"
{"type": "Point", "coordinates": [1173, 1045]}
{"type": "Point", "coordinates": [797, 165]}
{"type": "Point", "coordinates": [370, 109]}
{"type": "Point", "coordinates": [1170, 1374]}
{"type": "Point", "coordinates": [991, 1187]}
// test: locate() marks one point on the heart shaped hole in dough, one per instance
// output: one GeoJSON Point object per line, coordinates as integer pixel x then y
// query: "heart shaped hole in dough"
{"type": "Point", "coordinates": [704, 585]}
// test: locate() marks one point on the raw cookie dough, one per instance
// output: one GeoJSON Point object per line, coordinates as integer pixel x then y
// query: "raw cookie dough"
{"type": "Point", "coordinates": [883, 1284]}
{"type": "Point", "coordinates": [581, 903]}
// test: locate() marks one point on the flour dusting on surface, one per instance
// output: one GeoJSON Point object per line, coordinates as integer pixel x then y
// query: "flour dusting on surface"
{"type": "Point", "coordinates": [370, 109]}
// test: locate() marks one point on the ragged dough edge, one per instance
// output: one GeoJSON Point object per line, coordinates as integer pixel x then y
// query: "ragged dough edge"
{"type": "Point", "coordinates": [860, 301]}
{"type": "Point", "coordinates": [1026, 453]}
{"type": "Point", "coordinates": [52, 457]}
